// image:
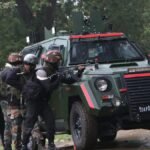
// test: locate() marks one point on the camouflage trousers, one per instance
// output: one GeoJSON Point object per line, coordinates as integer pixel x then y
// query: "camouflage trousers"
{"type": "Point", "coordinates": [13, 125]}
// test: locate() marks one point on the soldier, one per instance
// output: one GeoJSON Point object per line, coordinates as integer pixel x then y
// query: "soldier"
{"type": "Point", "coordinates": [13, 118]}
{"type": "Point", "coordinates": [3, 106]}
{"type": "Point", "coordinates": [36, 104]}
{"type": "Point", "coordinates": [3, 89]}
{"type": "Point", "coordinates": [2, 125]}
{"type": "Point", "coordinates": [52, 60]}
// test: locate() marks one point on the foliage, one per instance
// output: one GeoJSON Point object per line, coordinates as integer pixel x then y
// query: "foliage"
{"type": "Point", "coordinates": [130, 17]}
{"type": "Point", "coordinates": [12, 33]}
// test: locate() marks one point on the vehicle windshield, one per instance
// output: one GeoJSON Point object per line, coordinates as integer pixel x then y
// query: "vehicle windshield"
{"type": "Point", "coordinates": [103, 51]}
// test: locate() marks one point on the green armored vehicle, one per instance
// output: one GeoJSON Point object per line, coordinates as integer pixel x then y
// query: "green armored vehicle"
{"type": "Point", "coordinates": [114, 90]}
{"type": "Point", "coordinates": [112, 94]}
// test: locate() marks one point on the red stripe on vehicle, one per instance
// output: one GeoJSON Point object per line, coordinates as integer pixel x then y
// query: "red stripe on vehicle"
{"type": "Point", "coordinates": [137, 75]}
{"type": "Point", "coordinates": [123, 90]}
{"type": "Point", "coordinates": [87, 96]}
{"type": "Point", "coordinates": [96, 35]}
{"type": "Point", "coordinates": [74, 148]}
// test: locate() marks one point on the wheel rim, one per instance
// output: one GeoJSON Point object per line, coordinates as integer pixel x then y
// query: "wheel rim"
{"type": "Point", "coordinates": [77, 125]}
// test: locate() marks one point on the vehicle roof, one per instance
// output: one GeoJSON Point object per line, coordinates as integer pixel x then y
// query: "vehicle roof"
{"type": "Point", "coordinates": [79, 36]}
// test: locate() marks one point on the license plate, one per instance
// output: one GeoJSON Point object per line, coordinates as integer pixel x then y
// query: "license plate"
{"type": "Point", "coordinates": [142, 69]}
{"type": "Point", "coordinates": [144, 109]}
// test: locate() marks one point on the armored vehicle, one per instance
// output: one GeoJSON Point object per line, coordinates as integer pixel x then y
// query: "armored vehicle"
{"type": "Point", "coordinates": [114, 90]}
{"type": "Point", "coordinates": [112, 94]}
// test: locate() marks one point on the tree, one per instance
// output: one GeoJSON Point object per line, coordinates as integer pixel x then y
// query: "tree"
{"type": "Point", "coordinates": [37, 15]}
{"type": "Point", "coordinates": [130, 17]}
{"type": "Point", "coordinates": [18, 18]}
{"type": "Point", "coordinates": [12, 31]}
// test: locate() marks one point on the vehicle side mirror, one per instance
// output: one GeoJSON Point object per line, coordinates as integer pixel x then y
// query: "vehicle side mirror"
{"type": "Point", "coordinates": [62, 47]}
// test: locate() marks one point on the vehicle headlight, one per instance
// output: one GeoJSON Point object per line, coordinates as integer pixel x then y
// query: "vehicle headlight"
{"type": "Point", "coordinates": [102, 85]}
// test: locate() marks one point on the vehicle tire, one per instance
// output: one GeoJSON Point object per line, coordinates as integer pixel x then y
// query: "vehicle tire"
{"type": "Point", "coordinates": [83, 127]}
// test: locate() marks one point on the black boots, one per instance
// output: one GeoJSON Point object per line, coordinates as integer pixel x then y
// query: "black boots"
{"type": "Point", "coordinates": [51, 146]}
{"type": "Point", "coordinates": [7, 147]}
{"type": "Point", "coordinates": [24, 147]}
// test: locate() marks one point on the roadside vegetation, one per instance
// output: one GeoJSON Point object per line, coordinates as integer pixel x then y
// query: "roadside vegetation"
{"type": "Point", "coordinates": [19, 18]}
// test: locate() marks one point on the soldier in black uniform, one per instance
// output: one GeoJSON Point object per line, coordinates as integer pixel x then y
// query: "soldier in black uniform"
{"type": "Point", "coordinates": [50, 69]}
{"type": "Point", "coordinates": [36, 103]}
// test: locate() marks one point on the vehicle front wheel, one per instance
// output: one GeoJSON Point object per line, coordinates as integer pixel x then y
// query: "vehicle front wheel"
{"type": "Point", "coordinates": [83, 127]}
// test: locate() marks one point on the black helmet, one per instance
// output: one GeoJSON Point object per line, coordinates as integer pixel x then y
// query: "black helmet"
{"type": "Point", "coordinates": [30, 59]}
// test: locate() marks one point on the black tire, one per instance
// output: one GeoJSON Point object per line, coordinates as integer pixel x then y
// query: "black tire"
{"type": "Point", "coordinates": [83, 127]}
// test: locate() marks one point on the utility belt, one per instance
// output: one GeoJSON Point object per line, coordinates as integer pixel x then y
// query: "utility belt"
{"type": "Point", "coordinates": [13, 101]}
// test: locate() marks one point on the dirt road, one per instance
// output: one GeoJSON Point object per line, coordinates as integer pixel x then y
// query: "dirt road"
{"type": "Point", "coordinates": [126, 140]}
{"type": "Point", "coordinates": [130, 139]}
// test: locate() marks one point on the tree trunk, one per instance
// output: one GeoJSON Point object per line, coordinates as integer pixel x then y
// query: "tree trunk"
{"type": "Point", "coordinates": [36, 23]}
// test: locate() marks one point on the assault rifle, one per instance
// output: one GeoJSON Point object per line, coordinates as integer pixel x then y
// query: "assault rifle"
{"type": "Point", "coordinates": [65, 76]}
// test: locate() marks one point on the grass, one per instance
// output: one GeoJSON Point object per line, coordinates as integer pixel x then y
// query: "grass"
{"type": "Point", "coordinates": [64, 137]}
{"type": "Point", "coordinates": [59, 139]}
